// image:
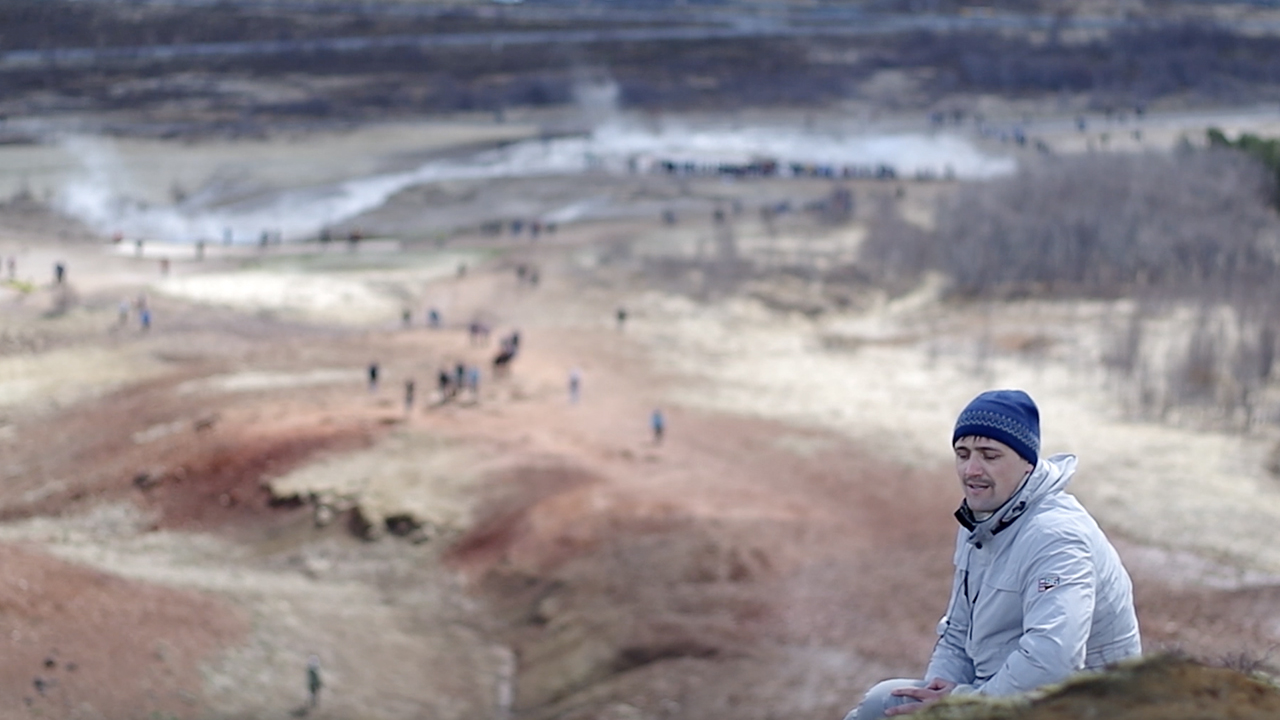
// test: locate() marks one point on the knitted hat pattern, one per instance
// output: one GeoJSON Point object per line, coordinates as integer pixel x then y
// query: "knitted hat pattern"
{"type": "Point", "coordinates": [1010, 416]}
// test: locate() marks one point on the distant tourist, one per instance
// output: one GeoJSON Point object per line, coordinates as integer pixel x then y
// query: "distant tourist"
{"type": "Point", "coordinates": [59, 272]}
{"type": "Point", "coordinates": [443, 384]}
{"type": "Point", "coordinates": [373, 376]}
{"type": "Point", "coordinates": [144, 318]}
{"type": "Point", "coordinates": [433, 318]}
{"type": "Point", "coordinates": [622, 317]}
{"type": "Point", "coordinates": [657, 423]}
{"type": "Point", "coordinates": [406, 316]}
{"type": "Point", "coordinates": [313, 681]}
{"type": "Point", "coordinates": [502, 361]}
{"type": "Point", "coordinates": [575, 385]}
{"type": "Point", "coordinates": [478, 333]}
{"type": "Point", "coordinates": [408, 395]}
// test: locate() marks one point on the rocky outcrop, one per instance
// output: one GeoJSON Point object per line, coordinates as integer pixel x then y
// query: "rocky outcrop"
{"type": "Point", "coordinates": [1161, 687]}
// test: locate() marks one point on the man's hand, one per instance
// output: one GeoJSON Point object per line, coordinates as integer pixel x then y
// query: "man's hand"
{"type": "Point", "coordinates": [927, 695]}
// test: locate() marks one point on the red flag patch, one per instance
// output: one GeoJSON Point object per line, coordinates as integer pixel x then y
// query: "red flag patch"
{"type": "Point", "coordinates": [1048, 582]}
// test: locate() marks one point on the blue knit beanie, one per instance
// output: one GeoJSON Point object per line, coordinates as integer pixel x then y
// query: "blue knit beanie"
{"type": "Point", "coordinates": [1009, 416]}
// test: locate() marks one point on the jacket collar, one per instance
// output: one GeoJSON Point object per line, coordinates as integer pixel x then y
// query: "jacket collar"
{"type": "Point", "coordinates": [1003, 517]}
{"type": "Point", "coordinates": [1049, 476]}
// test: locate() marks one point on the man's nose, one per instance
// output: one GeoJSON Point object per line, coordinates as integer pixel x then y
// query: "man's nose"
{"type": "Point", "coordinates": [970, 467]}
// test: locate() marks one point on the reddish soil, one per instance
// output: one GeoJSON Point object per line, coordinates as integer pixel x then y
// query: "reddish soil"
{"type": "Point", "coordinates": [723, 572]}
{"type": "Point", "coordinates": [128, 649]}
{"type": "Point", "coordinates": [205, 471]}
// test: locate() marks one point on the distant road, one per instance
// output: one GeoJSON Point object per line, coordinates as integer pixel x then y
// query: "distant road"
{"type": "Point", "coordinates": [719, 26]}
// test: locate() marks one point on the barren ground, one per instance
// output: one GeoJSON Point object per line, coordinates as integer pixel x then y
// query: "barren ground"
{"type": "Point", "coordinates": [189, 511]}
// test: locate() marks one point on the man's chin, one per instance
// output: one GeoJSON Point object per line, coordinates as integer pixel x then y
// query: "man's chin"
{"type": "Point", "coordinates": [978, 504]}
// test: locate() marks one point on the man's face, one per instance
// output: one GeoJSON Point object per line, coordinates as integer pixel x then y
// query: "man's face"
{"type": "Point", "coordinates": [989, 472]}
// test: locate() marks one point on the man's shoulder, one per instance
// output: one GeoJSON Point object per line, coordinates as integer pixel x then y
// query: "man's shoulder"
{"type": "Point", "coordinates": [1059, 517]}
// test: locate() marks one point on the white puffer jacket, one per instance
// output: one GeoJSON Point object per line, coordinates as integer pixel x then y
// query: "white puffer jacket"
{"type": "Point", "coordinates": [1039, 593]}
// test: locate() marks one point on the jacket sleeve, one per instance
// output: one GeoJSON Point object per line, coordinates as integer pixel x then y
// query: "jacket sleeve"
{"type": "Point", "coordinates": [950, 660]}
{"type": "Point", "coordinates": [1057, 612]}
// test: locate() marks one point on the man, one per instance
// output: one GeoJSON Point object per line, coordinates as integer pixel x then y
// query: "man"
{"type": "Point", "coordinates": [313, 681]}
{"type": "Point", "coordinates": [443, 381]}
{"type": "Point", "coordinates": [575, 385]}
{"type": "Point", "coordinates": [1039, 592]}
{"type": "Point", "coordinates": [473, 381]}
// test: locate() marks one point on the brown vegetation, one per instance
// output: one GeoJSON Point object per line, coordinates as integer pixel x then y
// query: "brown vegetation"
{"type": "Point", "coordinates": [1194, 234]}
{"type": "Point", "coordinates": [1161, 687]}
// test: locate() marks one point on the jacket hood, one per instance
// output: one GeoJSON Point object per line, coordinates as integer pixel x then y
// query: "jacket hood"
{"type": "Point", "coordinates": [1049, 477]}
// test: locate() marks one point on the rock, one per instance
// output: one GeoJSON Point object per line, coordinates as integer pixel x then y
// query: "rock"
{"type": "Point", "coordinates": [1167, 687]}
{"type": "Point", "coordinates": [146, 480]}
{"type": "Point", "coordinates": [401, 525]}
{"type": "Point", "coordinates": [324, 515]}
{"type": "Point", "coordinates": [548, 608]}
{"type": "Point", "coordinates": [365, 528]}
{"type": "Point", "coordinates": [315, 567]}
